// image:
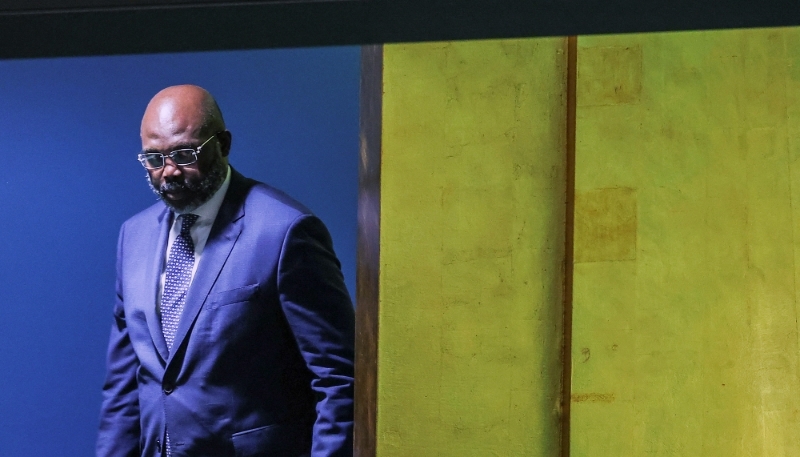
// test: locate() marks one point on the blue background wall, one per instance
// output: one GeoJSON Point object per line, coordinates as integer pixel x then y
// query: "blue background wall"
{"type": "Point", "coordinates": [69, 134]}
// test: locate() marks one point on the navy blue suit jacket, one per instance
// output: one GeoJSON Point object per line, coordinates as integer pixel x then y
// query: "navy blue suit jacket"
{"type": "Point", "coordinates": [262, 363]}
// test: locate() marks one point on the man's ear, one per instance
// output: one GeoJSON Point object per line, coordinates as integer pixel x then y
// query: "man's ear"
{"type": "Point", "coordinates": [225, 139]}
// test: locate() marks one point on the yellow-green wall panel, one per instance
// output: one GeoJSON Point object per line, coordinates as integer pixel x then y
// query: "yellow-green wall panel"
{"type": "Point", "coordinates": [472, 246]}
{"type": "Point", "coordinates": [685, 338]}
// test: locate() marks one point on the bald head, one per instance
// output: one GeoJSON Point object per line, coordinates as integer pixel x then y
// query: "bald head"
{"type": "Point", "coordinates": [182, 109]}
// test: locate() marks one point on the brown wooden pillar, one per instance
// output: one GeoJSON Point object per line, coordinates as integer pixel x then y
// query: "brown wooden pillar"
{"type": "Point", "coordinates": [368, 255]}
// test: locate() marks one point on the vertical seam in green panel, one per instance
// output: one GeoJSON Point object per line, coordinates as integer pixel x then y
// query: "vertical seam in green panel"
{"type": "Point", "coordinates": [569, 223]}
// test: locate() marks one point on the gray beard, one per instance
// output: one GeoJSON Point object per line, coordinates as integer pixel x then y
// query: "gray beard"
{"type": "Point", "coordinates": [199, 192]}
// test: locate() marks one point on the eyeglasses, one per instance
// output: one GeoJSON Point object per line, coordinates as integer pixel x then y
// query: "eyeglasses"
{"type": "Point", "coordinates": [156, 160]}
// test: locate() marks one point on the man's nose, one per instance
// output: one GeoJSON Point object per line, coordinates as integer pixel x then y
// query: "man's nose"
{"type": "Point", "coordinates": [170, 168]}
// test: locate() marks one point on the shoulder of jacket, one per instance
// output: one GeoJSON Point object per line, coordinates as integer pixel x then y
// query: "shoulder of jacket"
{"type": "Point", "coordinates": [149, 215]}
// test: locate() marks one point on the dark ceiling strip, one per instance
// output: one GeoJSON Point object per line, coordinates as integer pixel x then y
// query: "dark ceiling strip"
{"type": "Point", "coordinates": [248, 25]}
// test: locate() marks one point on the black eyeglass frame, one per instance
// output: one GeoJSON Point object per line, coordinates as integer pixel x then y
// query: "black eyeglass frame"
{"type": "Point", "coordinates": [187, 152]}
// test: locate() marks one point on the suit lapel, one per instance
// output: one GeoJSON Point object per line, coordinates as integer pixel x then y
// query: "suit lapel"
{"type": "Point", "coordinates": [224, 233]}
{"type": "Point", "coordinates": [152, 279]}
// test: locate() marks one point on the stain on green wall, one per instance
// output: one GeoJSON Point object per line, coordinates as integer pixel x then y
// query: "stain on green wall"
{"type": "Point", "coordinates": [472, 248]}
{"type": "Point", "coordinates": [605, 225]}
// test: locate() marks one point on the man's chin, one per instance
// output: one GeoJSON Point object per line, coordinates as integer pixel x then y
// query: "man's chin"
{"type": "Point", "coordinates": [177, 203]}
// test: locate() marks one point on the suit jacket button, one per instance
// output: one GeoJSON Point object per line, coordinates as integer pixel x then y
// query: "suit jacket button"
{"type": "Point", "coordinates": [158, 445]}
{"type": "Point", "coordinates": [168, 387]}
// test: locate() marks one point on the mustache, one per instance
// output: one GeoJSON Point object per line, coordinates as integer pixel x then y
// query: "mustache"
{"type": "Point", "coordinates": [175, 186]}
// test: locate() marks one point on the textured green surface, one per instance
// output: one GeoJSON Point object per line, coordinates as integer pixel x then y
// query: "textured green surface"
{"type": "Point", "coordinates": [472, 239]}
{"type": "Point", "coordinates": [685, 296]}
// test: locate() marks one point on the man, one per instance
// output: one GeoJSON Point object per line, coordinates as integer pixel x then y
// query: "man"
{"type": "Point", "coordinates": [233, 331]}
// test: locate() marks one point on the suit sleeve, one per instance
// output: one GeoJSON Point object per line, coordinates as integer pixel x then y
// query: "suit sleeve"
{"type": "Point", "coordinates": [119, 430]}
{"type": "Point", "coordinates": [321, 316]}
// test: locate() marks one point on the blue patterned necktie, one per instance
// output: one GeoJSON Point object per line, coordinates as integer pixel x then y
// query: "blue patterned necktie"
{"type": "Point", "coordinates": [176, 282]}
{"type": "Point", "coordinates": [177, 279]}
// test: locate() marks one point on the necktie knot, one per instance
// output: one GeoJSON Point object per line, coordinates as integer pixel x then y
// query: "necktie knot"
{"type": "Point", "coordinates": [188, 221]}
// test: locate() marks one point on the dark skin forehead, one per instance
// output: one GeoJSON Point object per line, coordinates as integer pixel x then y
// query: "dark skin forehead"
{"type": "Point", "coordinates": [175, 116]}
